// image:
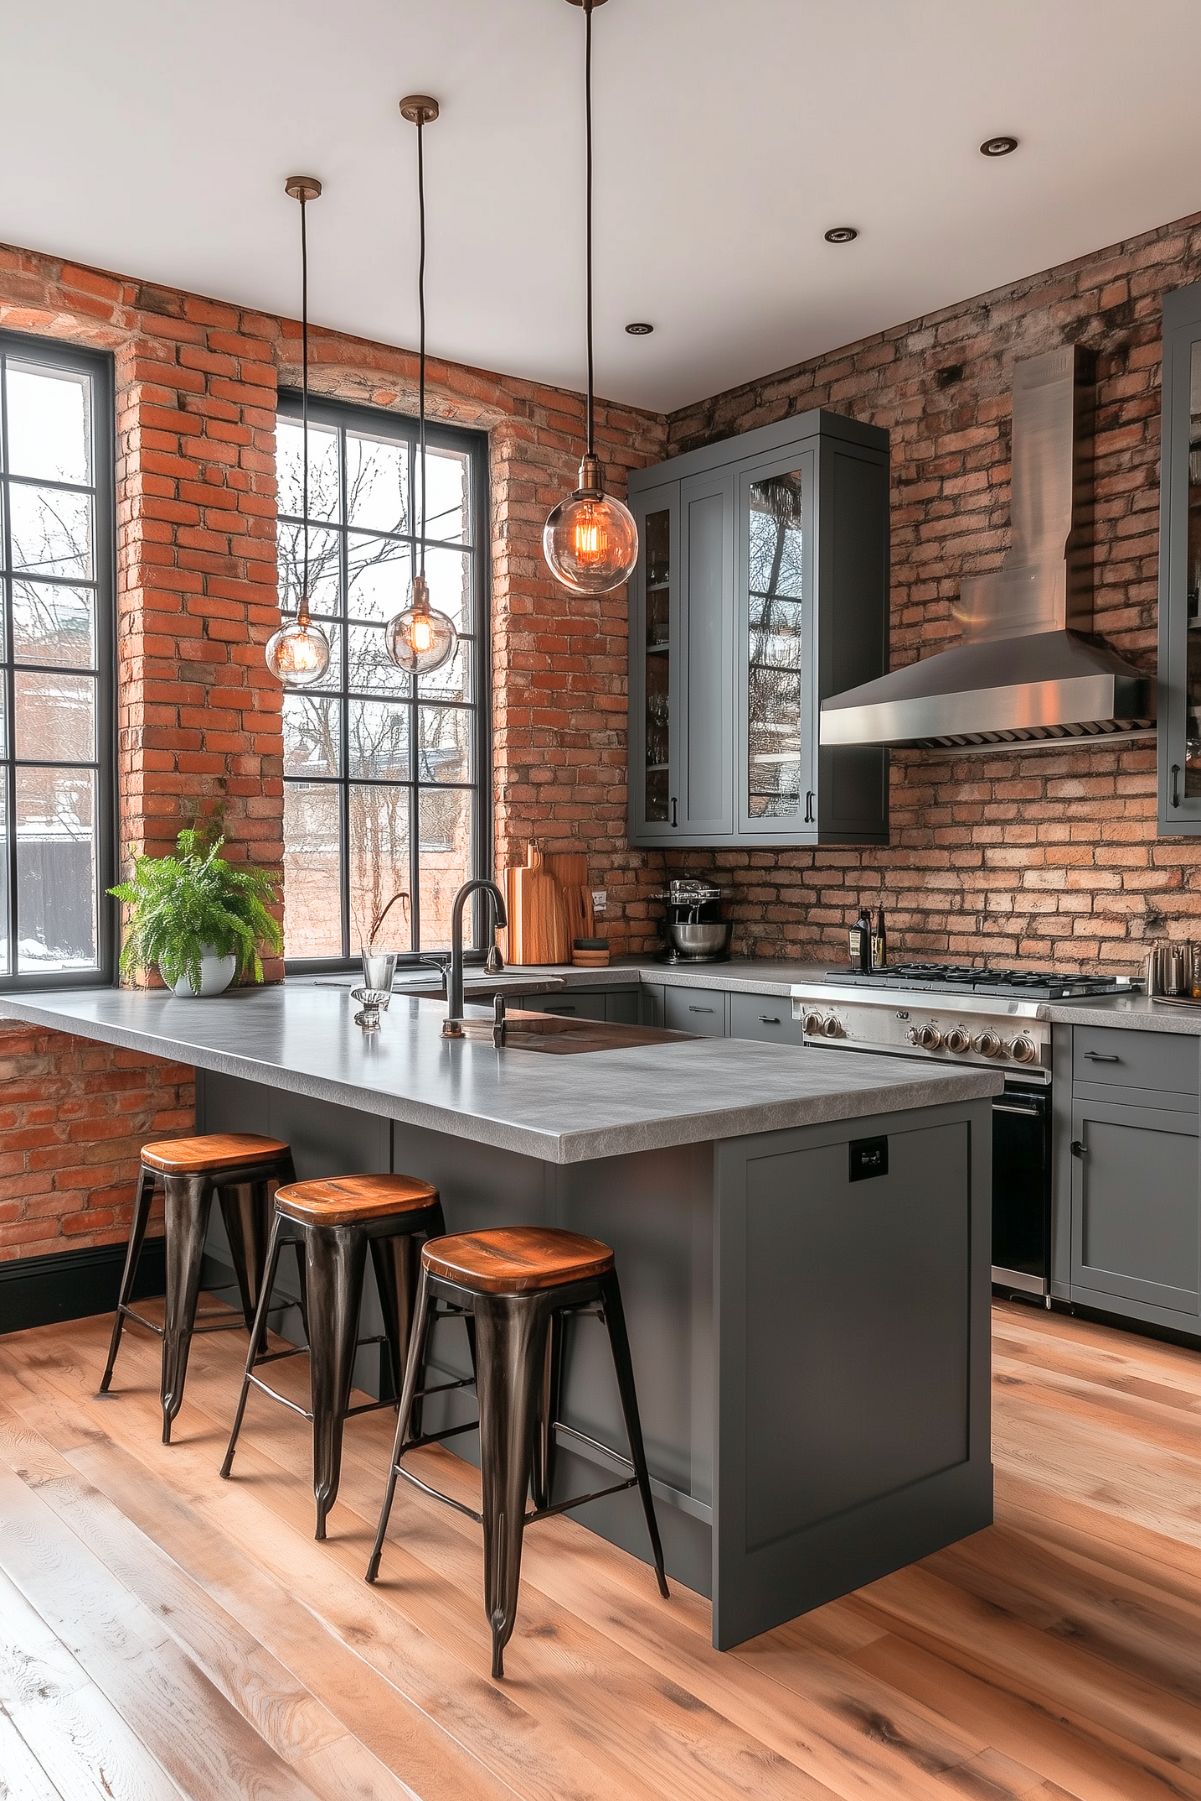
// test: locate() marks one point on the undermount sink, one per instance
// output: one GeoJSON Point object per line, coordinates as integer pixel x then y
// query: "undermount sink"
{"type": "Point", "coordinates": [556, 1036]}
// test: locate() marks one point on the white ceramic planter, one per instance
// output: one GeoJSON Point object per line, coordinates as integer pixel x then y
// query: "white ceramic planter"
{"type": "Point", "coordinates": [216, 974]}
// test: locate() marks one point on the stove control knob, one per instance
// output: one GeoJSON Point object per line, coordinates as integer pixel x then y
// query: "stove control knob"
{"type": "Point", "coordinates": [928, 1037]}
{"type": "Point", "coordinates": [1024, 1050]}
{"type": "Point", "coordinates": [813, 1025]}
{"type": "Point", "coordinates": [833, 1027]}
{"type": "Point", "coordinates": [959, 1040]}
{"type": "Point", "coordinates": [988, 1044]}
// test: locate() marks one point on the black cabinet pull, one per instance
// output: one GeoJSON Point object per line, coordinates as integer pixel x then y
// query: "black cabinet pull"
{"type": "Point", "coordinates": [1077, 1147]}
{"type": "Point", "coordinates": [1175, 784]}
{"type": "Point", "coordinates": [1103, 1056]}
{"type": "Point", "coordinates": [693, 1009]}
{"type": "Point", "coordinates": [809, 807]}
{"type": "Point", "coordinates": [769, 1019]}
{"type": "Point", "coordinates": [674, 817]}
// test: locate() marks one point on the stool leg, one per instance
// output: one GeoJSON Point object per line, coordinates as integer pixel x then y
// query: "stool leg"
{"type": "Point", "coordinates": [414, 1372]}
{"type": "Point", "coordinates": [395, 1260]}
{"type": "Point", "coordinates": [548, 1412]}
{"type": "Point", "coordinates": [189, 1202]}
{"type": "Point", "coordinates": [245, 1212]}
{"type": "Point", "coordinates": [258, 1339]}
{"type": "Point", "coordinates": [511, 1345]}
{"type": "Point", "coordinates": [143, 1196]}
{"type": "Point", "coordinates": [336, 1259]}
{"type": "Point", "coordinates": [619, 1342]}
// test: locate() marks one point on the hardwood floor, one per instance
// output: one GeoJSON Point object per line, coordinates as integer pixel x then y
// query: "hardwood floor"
{"type": "Point", "coordinates": [165, 1634]}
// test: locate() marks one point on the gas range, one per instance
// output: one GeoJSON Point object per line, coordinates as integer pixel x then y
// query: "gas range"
{"type": "Point", "coordinates": [960, 1013]}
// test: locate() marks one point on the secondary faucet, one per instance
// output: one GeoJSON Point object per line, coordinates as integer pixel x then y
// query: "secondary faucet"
{"type": "Point", "coordinates": [453, 1027]}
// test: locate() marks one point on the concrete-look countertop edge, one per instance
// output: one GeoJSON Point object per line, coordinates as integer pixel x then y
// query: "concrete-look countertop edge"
{"type": "Point", "coordinates": [642, 1097]}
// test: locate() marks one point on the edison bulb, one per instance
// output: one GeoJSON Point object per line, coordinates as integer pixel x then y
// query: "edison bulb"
{"type": "Point", "coordinates": [420, 639]}
{"type": "Point", "coordinates": [591, 542]}
{"type": "Point", "coordinates": [298, 654]}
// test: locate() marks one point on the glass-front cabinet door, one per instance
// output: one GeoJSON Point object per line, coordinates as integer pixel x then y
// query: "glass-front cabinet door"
{"type": "Point", "coordinates": [1180, 568]}
{"type": "Point", "coordinates": [654, 619]}
{"type": "Point", "coordinates": [773, 587]}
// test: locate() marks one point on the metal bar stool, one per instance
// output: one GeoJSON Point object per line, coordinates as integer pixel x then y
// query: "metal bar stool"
{"type": "Point", "coordinates": [237, 1167]}
{"type": "Point", "coordinates": [514, 1287]}
{"type": "Point", "coordinates": [336, 1222]}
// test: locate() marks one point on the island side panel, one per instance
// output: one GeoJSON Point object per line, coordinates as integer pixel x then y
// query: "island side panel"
{"type": "Point", "coordinates": [853, 1357]}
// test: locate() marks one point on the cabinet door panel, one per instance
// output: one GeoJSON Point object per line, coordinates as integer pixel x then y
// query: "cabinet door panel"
{"type": "Point", "coordinates": [654, 631]}
{"type": "Point", "coordinates": [701, 769]}
{"type": "Point", "coordinates": [1180, 567]}
{"type": "Point", "coordinates": [1136, 1205]}
{"type": "Point", "coordinates": [774, 564]}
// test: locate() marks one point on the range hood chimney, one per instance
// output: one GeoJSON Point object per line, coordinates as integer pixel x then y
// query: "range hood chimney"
{"type": "Point", "coordinates": [1022, 673]}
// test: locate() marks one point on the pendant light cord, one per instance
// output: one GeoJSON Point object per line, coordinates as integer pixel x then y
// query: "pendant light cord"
{"type": "Point", "coordinates": [302, 612]}
{"type": "Point", "coordinates": [588, 204]}
{"type": "Point", "coordinates": [421, 334]}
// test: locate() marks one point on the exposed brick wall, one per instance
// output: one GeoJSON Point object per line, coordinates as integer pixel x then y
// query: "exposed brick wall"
{"type": "Point", "coordinates": [199, 715]}
{"type": "Point", "coordinates": [73, 1118]}
{"type": "Point", "coordinates": [1046, 856]}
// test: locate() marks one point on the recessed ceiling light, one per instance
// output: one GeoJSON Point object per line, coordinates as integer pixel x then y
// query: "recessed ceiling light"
{"type": "Point", "coordinates": [841, 234]}
{"type": "Point", "coordinates": [638, 328]}
{"type": "Point", "coordinates": [1002, 146]}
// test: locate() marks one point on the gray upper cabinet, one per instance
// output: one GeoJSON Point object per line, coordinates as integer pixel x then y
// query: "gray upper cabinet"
{"type": "Point", "coordinates": [761, 587]}
{"type": "Point", "coordinates": [1180, 567]}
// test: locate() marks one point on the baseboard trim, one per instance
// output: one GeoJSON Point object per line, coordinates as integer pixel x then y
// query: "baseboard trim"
{"type": "Point", "coordinates": [37, 1291]}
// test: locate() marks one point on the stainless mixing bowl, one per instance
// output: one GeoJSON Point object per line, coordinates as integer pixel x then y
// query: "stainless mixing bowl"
{"type": "Point", "coordinates": [707, 940]}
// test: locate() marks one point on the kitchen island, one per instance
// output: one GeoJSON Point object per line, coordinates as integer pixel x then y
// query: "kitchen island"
{"type": "Point", "coordinates": [802, 1239]}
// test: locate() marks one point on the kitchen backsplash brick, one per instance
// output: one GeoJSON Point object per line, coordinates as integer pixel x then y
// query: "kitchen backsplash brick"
{"type": "Point", "coordinates": [1047, 856]}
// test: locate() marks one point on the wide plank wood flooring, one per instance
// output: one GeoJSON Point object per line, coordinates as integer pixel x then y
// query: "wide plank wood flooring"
{"type": "Point", "coordinates": [165, 1634]}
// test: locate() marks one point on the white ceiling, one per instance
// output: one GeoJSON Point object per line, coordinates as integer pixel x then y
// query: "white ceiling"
{"type": "Point", "coordinates": [153, 137]}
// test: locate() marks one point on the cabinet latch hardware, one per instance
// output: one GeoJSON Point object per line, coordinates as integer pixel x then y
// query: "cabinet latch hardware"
{"type": "Point", "coordinates": [693, 1009]}
{"type": "Point", "coordinates": [1077, 1147]}
{"type": "Point", "coordinates": [1103, 1056]}
{"type": "Point", "coordinates": [674, 811]}
{"type": "Point", "coordinates": [1175, 784]}
{"type": "Point", "coordinates": [769, 1019]}
{"type": "Point", "coordinates": [809, 798]}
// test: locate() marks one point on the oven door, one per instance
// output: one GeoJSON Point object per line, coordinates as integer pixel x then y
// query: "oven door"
{"type": "Point", "coordinates": [1021, 1196]}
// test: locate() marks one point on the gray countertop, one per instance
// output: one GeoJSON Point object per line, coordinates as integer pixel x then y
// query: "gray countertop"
{"type": "Point", "coordinates": [752, 976]}
{"type": "Point", "coordinates": [561, 1109]}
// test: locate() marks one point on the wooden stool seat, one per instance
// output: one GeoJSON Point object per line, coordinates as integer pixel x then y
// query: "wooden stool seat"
{"type": "Point", "coordinates": [517, 1259]}
{"type": "Point", "coordinates": [352, 1200]}
{"type": "Point", "coordinates": [212, 1150]}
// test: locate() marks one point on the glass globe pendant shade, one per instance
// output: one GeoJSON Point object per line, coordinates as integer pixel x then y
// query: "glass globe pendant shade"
{"type": "Point", "coordinates": [590, 539]}
{"type": "Point", "coordinates": [421, 639]}
{"type": "Point", "coordinates": [298, 654]}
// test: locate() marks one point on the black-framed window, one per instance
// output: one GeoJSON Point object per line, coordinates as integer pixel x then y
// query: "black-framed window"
{"type": "Point", "coordinates": [386, 779]}
{"type": "Point", "coordinates": [57, 744]}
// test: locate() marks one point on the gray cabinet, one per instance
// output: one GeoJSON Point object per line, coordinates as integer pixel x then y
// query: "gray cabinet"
{"type": "Point", "coordinates": [761, 587]}
{"type": "Point", "coordinates": [700, 1010]}
{"type": "Point", "coordinates": [766, 1017]}
{"type": "Point", "coordinates": [1180, 567]}
{"type": "Point", "coordinates": [1136, 1211]}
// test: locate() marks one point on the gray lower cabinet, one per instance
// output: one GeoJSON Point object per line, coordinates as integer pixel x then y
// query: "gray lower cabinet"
{"type": "Point", "coordinates": [766, 1017]}
{"type": "Point", "coordinates": [700, 1010]}
{"type": "Point", "coordinates": [1136, 1210]}
{"type": "Point", "coordinates": [619, 1006]}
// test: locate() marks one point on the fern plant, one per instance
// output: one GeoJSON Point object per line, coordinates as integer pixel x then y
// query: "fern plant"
{"type": "Point", "coordinates": [196, 902]}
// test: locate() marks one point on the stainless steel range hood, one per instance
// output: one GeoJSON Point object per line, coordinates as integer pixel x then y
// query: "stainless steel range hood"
{"type": "Point", "coordinates": [1023, 673]}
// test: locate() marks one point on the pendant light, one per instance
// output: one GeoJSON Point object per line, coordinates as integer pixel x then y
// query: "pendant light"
{"type": "Point", "coordinates": [421, 639]}
{"type": "Point", "coordinates": [590, 540]}
{"type": "Point", "coordinates": [299, 653]}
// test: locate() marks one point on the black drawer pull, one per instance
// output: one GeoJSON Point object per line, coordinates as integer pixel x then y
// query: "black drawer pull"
{"type": "Point", "coordinates": [769, 1019]}
{"type": "Point", "coordinates": [1103, 1056]}
{"type": "Point", "coordinates": [1077, 1147]}
{"type": "Point", "coordinates": [693, 1009]}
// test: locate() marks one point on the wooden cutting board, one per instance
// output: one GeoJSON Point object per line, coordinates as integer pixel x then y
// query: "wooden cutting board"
{"type": "Point", "coordinates": [538, 931]}
{"type": "Point", "coordinates": [570, 869]}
